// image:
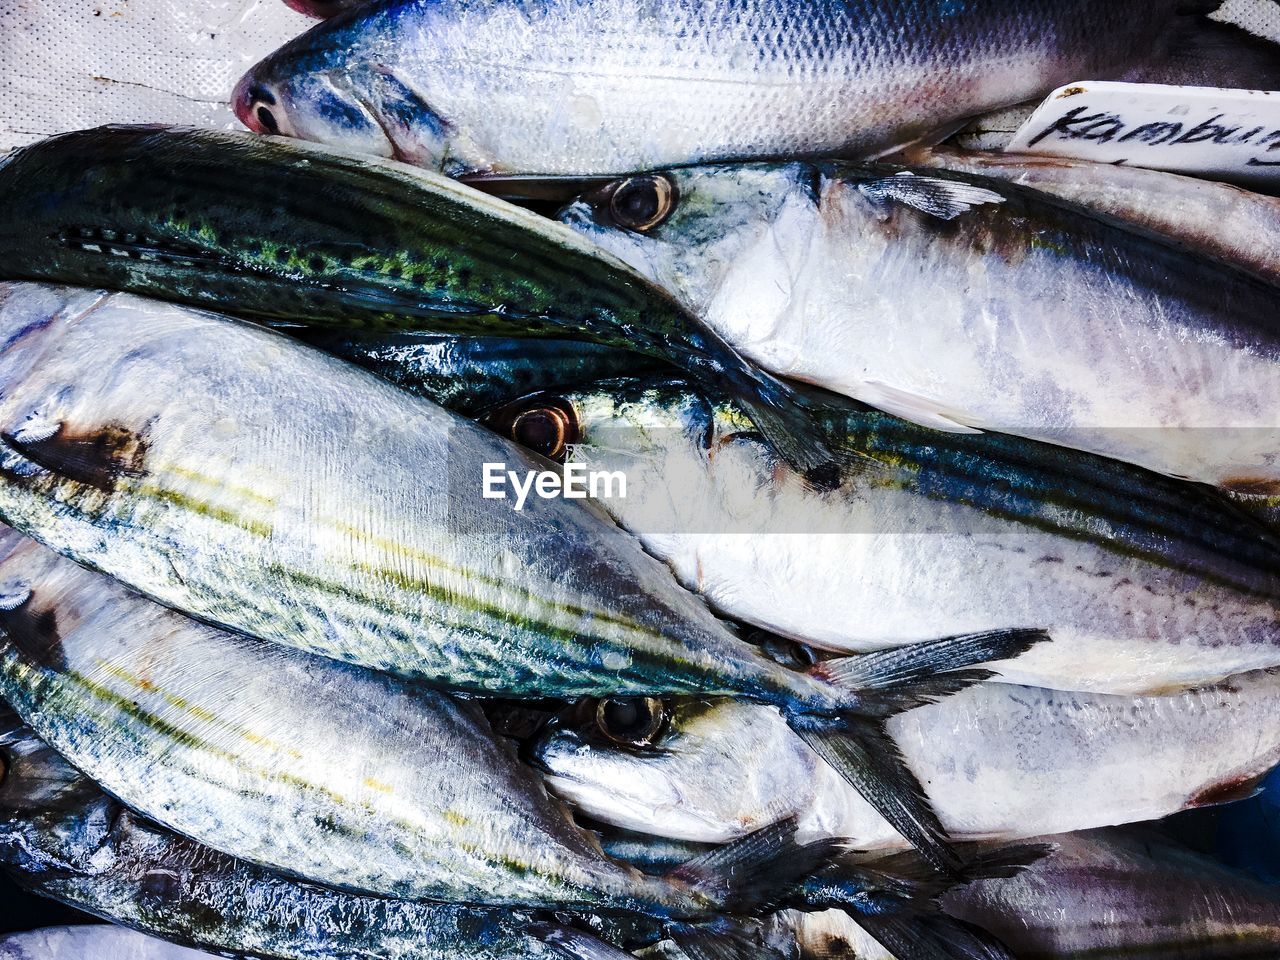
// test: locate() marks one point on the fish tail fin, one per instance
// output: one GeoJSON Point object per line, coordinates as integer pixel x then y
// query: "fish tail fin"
{"type": "Point", "coordinates": [857, 744]}
{"type": "Point", "coordinates": [861, 750]}
{"type": "Point", "coordinates": [899, 678]}
{"type": "Point", "coordinates": [756, 871]}
{"type": "Point", "coordinates": [895, 899]}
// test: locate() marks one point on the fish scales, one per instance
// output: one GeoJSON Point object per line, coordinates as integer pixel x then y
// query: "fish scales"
{"type": "Point", "coordinates": [591, 87]}
{"type": "Point", "coordinates": [1144, 583]}
{"type": "Point", "coordinates": [966, 303]}
{"type": "Point", "coordinates": [294, 763]}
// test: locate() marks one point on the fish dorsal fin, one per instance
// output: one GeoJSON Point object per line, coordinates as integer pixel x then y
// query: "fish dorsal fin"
{"type": "Point", "coordinates": [944, 199]}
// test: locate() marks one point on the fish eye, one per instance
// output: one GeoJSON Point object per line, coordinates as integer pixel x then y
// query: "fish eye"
{"type": "Point", "coordinates": [642, 203]}
{"type": "Point", "coordinates": [547, 425]}
{"type": "Point", "coordinates": [789, 653]}
{"type": "Point", "coordinates": [631, 721]}
{"type": "Point", "coordinates": [267, 119]}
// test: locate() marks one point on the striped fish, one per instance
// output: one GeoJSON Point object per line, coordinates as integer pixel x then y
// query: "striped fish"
{"type": "Point", "coordinates": [277, 230]}
{"type": "Point", "coordinates": [292, 762]}
{"type": "Point", "coordinates": [63, 838]}
{"type": "Point", "coordinates": [1144, 583]}
{"type": "Point", "coordinates": [234, 474]}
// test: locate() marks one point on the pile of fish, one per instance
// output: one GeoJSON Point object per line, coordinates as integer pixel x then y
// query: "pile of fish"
{"type": "Point", "coordinates": [593, 479]}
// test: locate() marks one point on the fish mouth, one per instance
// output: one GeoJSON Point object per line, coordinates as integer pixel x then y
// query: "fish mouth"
{"type": "Point", "coordinates": [256, 106]}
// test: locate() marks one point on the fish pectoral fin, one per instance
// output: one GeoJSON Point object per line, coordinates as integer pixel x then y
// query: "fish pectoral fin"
{"type": "Point", "coordinates": [861, 751]}
{"type": "Point", "coordinates": [913, 407]}
{"type": "Point", "coordinates": [576, 944]}
{"type": "Point", "coordinates": [938, 197]}
{"type": "Point", "coordinates": [858, 746]}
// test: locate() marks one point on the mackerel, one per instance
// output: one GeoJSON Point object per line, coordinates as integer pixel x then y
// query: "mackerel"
{"type": "Point", "coordinates": [613, 86]}
{"type": "Point", "coordinates": [1000, 762]}
{"type": "Point", "coordinates": [347, 518]}
{"type": "Point", "coordinates": [965, 303]}
{"type": "Point", "coordinates": [280, 231]}
{"type": "Point", "coordinates": [1142, 582]}
{"type": "Point", "coordinates": [350, 779]}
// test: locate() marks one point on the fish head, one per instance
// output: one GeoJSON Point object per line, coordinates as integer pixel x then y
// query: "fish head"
{"type": "Point", "coordinates": [642, 416]}
{"type": "Point", "coordinates": [695, 770]}
{"type": "Point", "coordinates": [338, 85]}
{"type": "Point", "coordinates": [695, 231]}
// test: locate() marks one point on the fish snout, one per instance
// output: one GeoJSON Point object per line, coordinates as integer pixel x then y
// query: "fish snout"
{"type": "Point", "coordinates": [257, 106]}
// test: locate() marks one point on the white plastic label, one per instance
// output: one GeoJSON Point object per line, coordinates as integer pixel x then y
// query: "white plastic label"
{"type": "Point", "coordinates": [1234, 134]}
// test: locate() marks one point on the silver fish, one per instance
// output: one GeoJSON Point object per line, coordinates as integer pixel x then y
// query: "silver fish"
{"type": "Point", "coordinates": [1143, 583]}
{"type": "Point", "coordinates": [348, 519]}
{"type": "Point", "coordinates": [999, 761]}
{"type": "Point", "coordinates": [91, 942]}
{"type": "Point", "coordinates": [611, 86]}
{"type": "Point", "coordinates": [1125, 894]}
{"type": "Point", "coordinates": [1110, 894]}
{"type": "Point", "coordinates": [61, 837]}
{"type": "Point", "coordinates": [967, 303]}
{"type": "Point", "coordinates": [292, 762]}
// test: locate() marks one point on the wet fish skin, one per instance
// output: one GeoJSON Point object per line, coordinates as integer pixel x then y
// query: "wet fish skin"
{"type": "Point", "coordinates": [88, 851]}
{"type": "Point", "coordinates": [614, 86]}
{"type": "Point", "coordinates": [1000, 762]}
{"type": "Point", "coordinates": [280, 231]}
{"type": "Point", "coordinates": [1117, 893]}
{"type": "Point", "coordinates": [1125, 894]}
{"type": "Point", "coordinates": [1012, 311]}
{"type": "Point", "coordinates": [1144, 583]}
{"type": "Point", "coordinates": [91, 942]}
{"type": "Point", "coordinates": [471, 375]}
{"type": "Point", "coordinates": [136, 442]}
{"type": "Point", "coordinates": [350, 779]}
{"type": "Point", "coordinates": [1217, 219]}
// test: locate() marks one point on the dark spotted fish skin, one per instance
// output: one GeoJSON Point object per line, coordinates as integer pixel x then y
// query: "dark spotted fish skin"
{"type": "Point", "coordinates": [279, 231]}
{"type": "Point", "coordinates": [291, 762]}
{"type": "Point", "coordinates": [63, 838]}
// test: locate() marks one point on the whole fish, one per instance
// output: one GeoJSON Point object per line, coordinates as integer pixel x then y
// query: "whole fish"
{"type": "Point", "coordinates": [236, 475]}
{"type": "Point", "coordinates": [963, 302]}
{"type": "Point", "coordinates": [62, 837]}
{"type": "Point", "coordinates": [472, 374]}
{"type": "Point", "coordinates": [1143, 583]}
{"type": "Point", "coordinates": [91, 942]}
{"type": "Point", "coordinates": [350, 779]}
{"type": "Point", "coordinates": [1125, 895]}
{"type": "Point", "coordinates": [612, 86]}
{"type": "Point", "coordinates": [280, 231]}
{"type": "Point", "coordinates": [999, 762]}
{"type": "Point", "coordinates": [1217, 219]}
{"type": "Point", "coordinates": [79, 847]}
